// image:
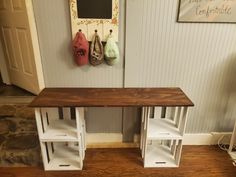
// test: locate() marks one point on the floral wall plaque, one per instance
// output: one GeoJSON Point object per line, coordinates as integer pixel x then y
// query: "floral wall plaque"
{"type": "Point", "coordinates": [218, 11]}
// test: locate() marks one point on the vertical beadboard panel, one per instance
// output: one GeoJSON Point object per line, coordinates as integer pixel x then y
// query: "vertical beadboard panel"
{"type": "Point", "coordinates": [198, 57]}
{"type": "Point", "coordinates": [54, 31]}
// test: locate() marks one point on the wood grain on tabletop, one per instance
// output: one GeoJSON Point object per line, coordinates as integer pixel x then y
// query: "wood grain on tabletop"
{"type": "Point", "coordinates": [110, 97]}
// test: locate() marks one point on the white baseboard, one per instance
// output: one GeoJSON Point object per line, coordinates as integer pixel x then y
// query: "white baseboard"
{"type": "Point", "coordinates": [189, 139]}
{"type": "Point", "coordinates": [206, 138]}
{"type": "Point", "coordinates": [104, 138]}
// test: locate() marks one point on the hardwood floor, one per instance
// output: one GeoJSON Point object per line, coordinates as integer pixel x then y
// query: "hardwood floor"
{"type": "Point", "coordinates": [13, 91]}
{"type": "Point", "coordinates": [197, 161]}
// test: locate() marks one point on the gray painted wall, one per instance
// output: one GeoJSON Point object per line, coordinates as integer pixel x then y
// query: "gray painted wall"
{"type": "Point", "coordinates": [54, 31]}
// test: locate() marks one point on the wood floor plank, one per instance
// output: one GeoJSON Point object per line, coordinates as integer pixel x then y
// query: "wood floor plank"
{"type": "Point", "coordinates": [197, 161]}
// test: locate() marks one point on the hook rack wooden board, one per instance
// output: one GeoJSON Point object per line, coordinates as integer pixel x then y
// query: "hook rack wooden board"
{"type": "Point", "coordinates": [89, 25]}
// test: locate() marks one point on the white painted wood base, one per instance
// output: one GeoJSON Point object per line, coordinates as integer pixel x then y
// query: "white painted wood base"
{"type": "Point", "coordinates": [162, 130]}
{"type": "Point", "coordinates": [63, 141]}
{"type": "Point", "coordinates": [62, 138]}
{"type": "Point", "coordinates": [65, 156]}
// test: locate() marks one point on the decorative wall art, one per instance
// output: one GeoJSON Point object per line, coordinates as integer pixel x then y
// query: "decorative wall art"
{"type": "Point", "coordinates": [91, 15]}
{"type": "Point", "coordinates": [212, 11]}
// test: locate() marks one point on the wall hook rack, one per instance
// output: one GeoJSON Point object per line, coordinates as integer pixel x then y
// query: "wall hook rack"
{"type": "Point", "coordinates": [91, 20]}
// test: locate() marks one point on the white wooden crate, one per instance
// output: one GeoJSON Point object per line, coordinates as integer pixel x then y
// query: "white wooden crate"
{"type": "Point", "coordinates": [62, 155]}
{"type": "Point", "coordinates": [167, 122]}
{"type": "Point", "coordinates": [162, 130]}
{"type": "Point", "coordinates": [52, 127]}
{"type": "Point", "coordinates": [57, 130]}
{"type": "Point", "coordinates": [163, 123]}
{"type": "Point", "coordinates": [163, 153]}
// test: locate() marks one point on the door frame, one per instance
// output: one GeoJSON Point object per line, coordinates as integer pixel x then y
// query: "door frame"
{"type": "Point", "coordinates": [36, 49]}
{"type": "Point", "coordinates": [3, 67]}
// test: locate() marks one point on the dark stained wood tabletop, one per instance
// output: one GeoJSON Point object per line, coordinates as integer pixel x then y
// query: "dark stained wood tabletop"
{"type": "Point", "coordinates": [110, 97]}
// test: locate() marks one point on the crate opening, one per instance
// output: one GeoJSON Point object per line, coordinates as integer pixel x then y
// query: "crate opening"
{"type": "Point", "coordinates": [65, 155]}
{"type": "Point", "coordinates": [163, 153]}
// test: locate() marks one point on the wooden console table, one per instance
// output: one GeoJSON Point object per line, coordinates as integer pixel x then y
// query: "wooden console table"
{"type": "Point", "coordinates": [62, 136]}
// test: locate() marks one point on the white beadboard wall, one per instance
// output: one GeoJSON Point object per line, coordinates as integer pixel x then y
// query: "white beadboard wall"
{"type": "Point", "coordinates": [198, 57]}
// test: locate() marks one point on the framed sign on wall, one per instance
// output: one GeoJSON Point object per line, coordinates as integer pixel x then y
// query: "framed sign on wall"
{"type": "Point", "coordinates": [91, 15]}
{"type": "Point", "coordinates": [211, 11]}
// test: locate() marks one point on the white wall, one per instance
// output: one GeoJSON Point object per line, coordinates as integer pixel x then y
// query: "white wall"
{"type": "Point", "coordinates": [200, 58]}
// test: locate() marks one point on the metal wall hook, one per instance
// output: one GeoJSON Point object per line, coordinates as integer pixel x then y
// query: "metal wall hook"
{"type": "Point", "coordinates": [80, 30]}
{"type": "Point", "coordinates": [110, 31]}
{"type": "Point", "coordinates": [96, 31]}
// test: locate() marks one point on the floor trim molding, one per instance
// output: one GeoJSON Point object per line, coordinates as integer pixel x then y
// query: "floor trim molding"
{"type": "Point", "coordinates": [114, 140]}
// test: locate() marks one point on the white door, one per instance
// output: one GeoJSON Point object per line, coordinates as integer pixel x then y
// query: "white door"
{"type": "Point", "coordinates": [20, 44]}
